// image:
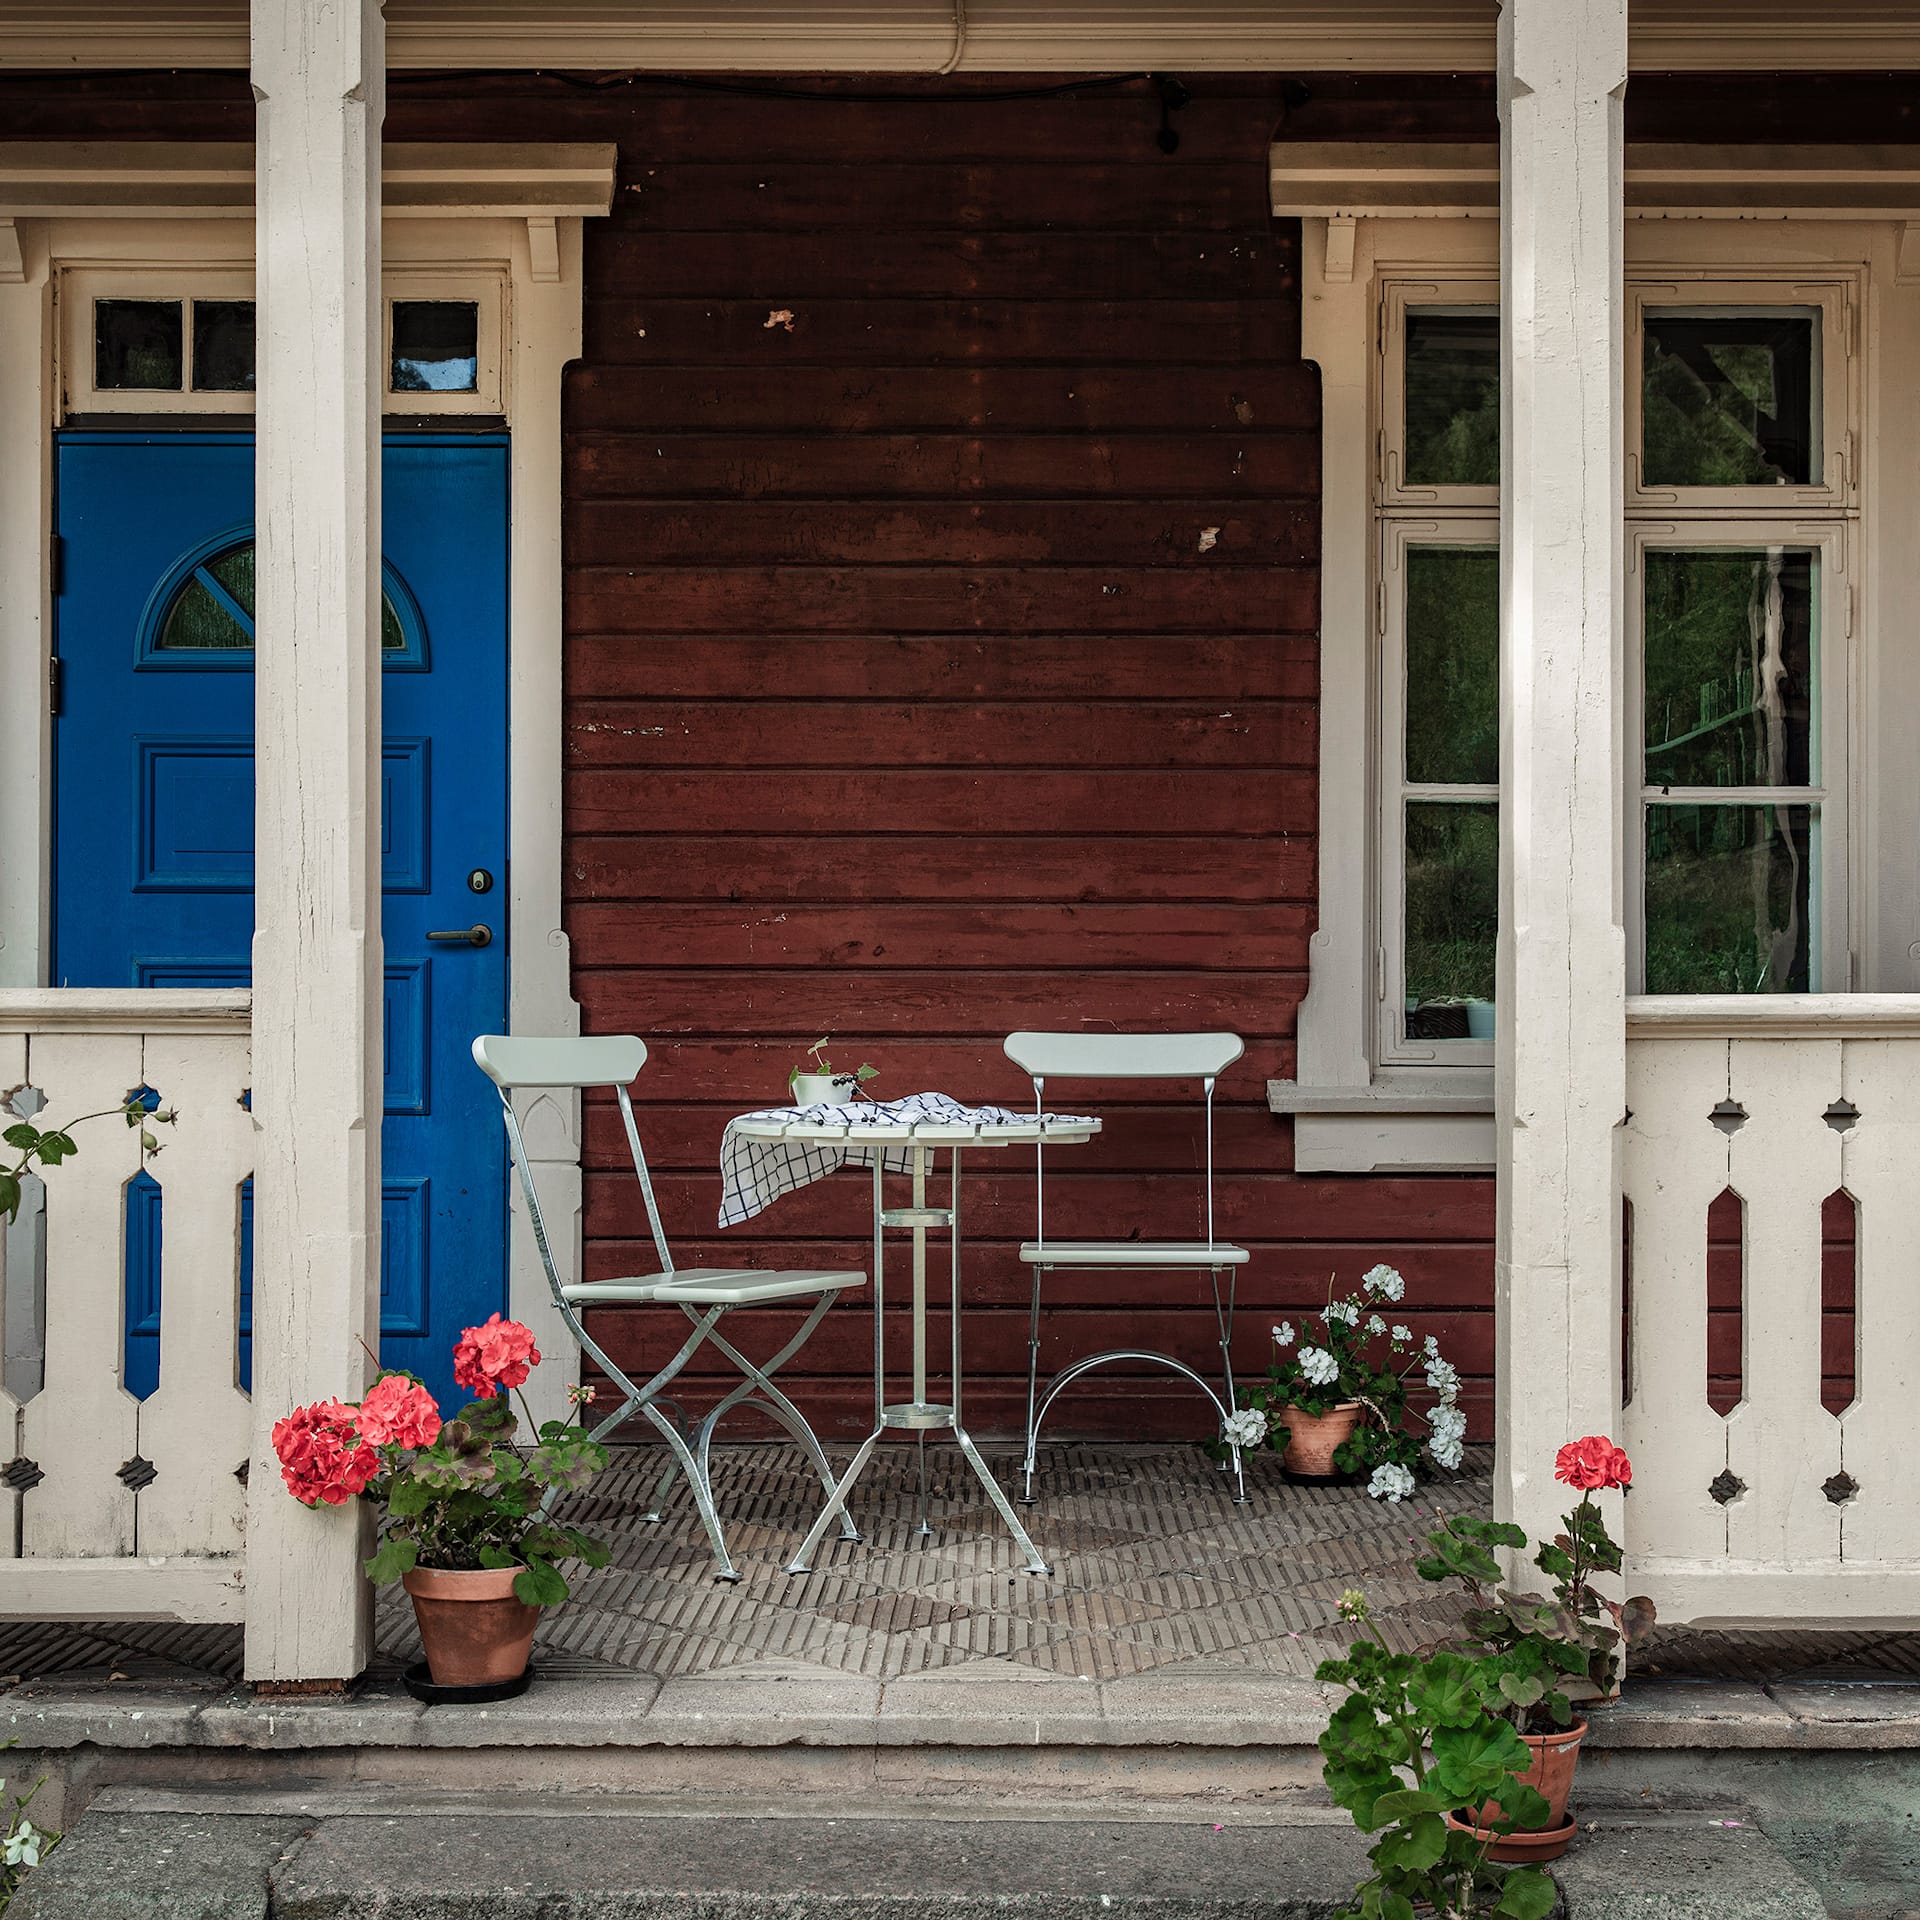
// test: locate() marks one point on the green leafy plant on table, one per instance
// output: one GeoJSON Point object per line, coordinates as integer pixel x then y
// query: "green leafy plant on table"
{"type": "Point", "coordinates": [817, 1066]}
{"type": "Point", "coordinates": [1417, 1736]}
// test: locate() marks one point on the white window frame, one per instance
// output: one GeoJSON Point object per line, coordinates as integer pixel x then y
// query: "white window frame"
{"type": "Point", "coordinates": [1830, 938]}
{"type": "Point", "coordinates": [1393, 1047]}
{"type": "Point", "coordinates": [77, 288]}
{"type": "Point", "coordinates": [1835, 428]}
{"type": "Point", "coordinates": [1356, 1107]}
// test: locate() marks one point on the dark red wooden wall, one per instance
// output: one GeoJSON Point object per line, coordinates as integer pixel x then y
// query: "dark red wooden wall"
{"type": "Point", "coordinates": [907, 698]}
{"type": "Point", "coordinates": [942, 530]}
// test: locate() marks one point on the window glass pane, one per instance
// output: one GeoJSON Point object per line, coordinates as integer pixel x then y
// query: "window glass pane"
{"type": "Point", "coordinates": [234, 570]}
{"type": "Point", "coordinates": [1453, 902]}
{"type": "Point", "coordinates": [1731, 651]}
{"type": "Point", "coordinates": [198, 620]}
{"type": "Point", "coordinates": [392, 638]}
{"type": "Point", "coordinates": [1453, 400]}
{"type": "Point", "coordinates": [1730, 898]}
{"type": "Point", "coordinates": [136, 345]}
{"type": "Point", "coordinates": [1453, 664]}
{"type": "Point", "coordinates": [1728, 400]}
{"type": "Point", "coordinates": [436, 346]}
{"type": "Point", "coordinates": [223, 346]}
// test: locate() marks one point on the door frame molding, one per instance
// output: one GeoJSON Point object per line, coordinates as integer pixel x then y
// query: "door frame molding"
{"type": "Point", "coordinates": [541, 293]}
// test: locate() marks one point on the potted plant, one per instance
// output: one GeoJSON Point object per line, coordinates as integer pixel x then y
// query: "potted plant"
{"type": "Point", "coordinates": [1548, 1654]}
{"type": "Point", "coordinates": [1336, 1398]}
{"type": "Point", "coordinates": [462, 1525]}
{"type": "Point", "coordinates": [821, 1084]}
{"type": "Point", "coordinates": [1416, 1737]}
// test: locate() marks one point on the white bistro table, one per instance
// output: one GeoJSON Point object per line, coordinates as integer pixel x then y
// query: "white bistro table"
{"type": "Point", "coordinates": [920, 1141]}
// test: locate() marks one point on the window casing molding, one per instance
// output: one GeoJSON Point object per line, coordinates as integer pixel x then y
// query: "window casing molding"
{"type": "Point", "coordinates": [76, 289]}
{"type": "Point", "coordinates": [1360, 1105]}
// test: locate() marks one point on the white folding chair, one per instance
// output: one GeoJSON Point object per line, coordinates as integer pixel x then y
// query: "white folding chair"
{"type": "Point", "coordinates": [704, 1294]}
{"type": "Point", "coordinates": [1128, 1056]}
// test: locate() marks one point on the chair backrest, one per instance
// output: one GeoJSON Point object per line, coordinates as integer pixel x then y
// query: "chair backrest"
{"type": "Point", "coordinates": [573, 1062]}
{"type": "Point", "coordinates": [591, 1060]}
{"type": "Point", "coordinates": [1125, 1056]}
{"type": "Point", "coordinates": [1121, 1056]}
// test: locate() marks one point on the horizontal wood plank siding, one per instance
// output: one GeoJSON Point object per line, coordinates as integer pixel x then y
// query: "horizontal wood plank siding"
{"type": "Point", "coordinates": [942, 541]}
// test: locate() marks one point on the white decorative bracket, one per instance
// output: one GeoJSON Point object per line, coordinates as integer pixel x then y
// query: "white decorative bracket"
{"type": "Point", "coordinates": [13, 268]}
{"type": "Point", "coordinates": [1341, 230]}
{"type": "Point", "coordinates": [543, 248]}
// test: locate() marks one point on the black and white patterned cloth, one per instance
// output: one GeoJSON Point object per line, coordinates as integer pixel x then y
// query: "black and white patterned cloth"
{"type": "Point", "coordinates": [754, 1173]}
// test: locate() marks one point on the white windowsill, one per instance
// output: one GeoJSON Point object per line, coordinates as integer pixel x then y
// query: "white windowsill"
{"type": "Point", "coordinates": [1415, 1124]}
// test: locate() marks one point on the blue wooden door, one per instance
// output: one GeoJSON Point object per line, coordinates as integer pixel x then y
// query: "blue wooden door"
{"type": "Point", "coordinates": [153, 820]}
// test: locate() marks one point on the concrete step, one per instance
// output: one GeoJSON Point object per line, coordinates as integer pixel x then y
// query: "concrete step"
{"type": "Point", "coordinates": [418, 1854]}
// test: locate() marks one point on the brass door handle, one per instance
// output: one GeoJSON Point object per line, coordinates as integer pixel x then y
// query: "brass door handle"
{"type": "Point", "coordinates": [473, 936]}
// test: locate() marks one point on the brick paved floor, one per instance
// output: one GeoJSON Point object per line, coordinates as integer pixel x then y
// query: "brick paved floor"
{"type": "Point", "coordinates": [1153, 1567]}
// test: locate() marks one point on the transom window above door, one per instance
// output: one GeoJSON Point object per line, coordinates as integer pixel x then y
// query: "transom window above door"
{"type": "Point", "coordinates": [153, 342]}
{"type": "Point", "coordinates": [200, 613]}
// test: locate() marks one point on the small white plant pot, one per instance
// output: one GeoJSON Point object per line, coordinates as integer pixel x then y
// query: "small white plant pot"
{"type": "Point", "coordinates": [824, 1089]}
{"type": "Point", "coordinates": [1479, 1019]}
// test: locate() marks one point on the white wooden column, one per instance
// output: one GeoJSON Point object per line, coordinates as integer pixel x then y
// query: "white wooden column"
{"type": "Point", "coordinates": [1561, 1055]}
{"type": "Point", "coordinates": [319, 80]}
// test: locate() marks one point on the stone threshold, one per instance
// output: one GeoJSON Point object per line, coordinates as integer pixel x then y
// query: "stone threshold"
{"type": "Point", "coordinates": [771, 1704]}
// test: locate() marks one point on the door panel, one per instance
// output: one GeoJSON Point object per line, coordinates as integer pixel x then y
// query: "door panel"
{"type": "Point", "coordinates": [153, 833]}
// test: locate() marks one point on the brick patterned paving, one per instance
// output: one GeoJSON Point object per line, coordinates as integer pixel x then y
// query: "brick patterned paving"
{"type": "Point", "coordinates": [1154, 1567]}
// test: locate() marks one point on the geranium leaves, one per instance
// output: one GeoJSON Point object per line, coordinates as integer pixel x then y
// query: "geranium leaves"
{"type": "Point", "coordinates": [395, 1557]}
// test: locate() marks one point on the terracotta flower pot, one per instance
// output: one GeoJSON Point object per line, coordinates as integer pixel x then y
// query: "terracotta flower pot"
{"type": "Point", "coordinates": [1555, 1755]}
{"type": "Point", "coordinates": [1312, 1439]}
{"type": "Point", "coordinates": [476, 1634]}
{"type": "Point", "coordinates": [1523, 1849]}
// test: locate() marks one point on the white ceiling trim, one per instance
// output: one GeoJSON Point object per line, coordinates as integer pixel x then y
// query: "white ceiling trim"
{"type": "Point", "coordinates": [1357, 180]}
{"type": "Point", "coordinates": [1002, 36]}
{"type": "Point", "coordinates": [178, 180]}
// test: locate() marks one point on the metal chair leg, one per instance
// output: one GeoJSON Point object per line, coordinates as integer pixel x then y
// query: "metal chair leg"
{"type": "Point", "coordinates": [836, 1503]}
{"type": "Point", "coordinates": [1033, 1382]}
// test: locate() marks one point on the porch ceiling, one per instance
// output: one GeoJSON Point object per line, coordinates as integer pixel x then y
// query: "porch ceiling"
{"type": "Point", "coordinates": [1066, 36]}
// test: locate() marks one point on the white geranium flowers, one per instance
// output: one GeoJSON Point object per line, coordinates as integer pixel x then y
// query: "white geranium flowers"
{"type": "Point", "coordinates": [1391, 1483]}
{"type": "Point", "coordinates": [1347, 1394]}
{"type": "Point", "coordinates": [1447, 1434]}
{"type": "Point", "coordinates": [1319, 1366]}
{"type": "Point", "coordinates": [1384, 1283]}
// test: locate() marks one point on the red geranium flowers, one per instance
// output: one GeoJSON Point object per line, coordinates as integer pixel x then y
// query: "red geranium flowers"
{"type": "Point", "coordinates": [500, 1354]}
{"type": "Point", "coordinates": [323, 1460]}
{"type": "Point", "coordinates": [1592, 1464]}
{"type": "Point", "coordinates": [330, 1451]}
{"type": "Point", "coordinates": [398, 1412]}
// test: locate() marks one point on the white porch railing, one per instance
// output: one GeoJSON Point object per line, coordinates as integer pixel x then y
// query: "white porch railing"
{"type": "Point", "coordinates": [1779, 1509]}
{"type": "Point", "coordinates": [112, 1505]}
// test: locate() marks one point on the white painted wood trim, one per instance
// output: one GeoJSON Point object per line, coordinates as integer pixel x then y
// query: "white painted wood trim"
{"type": "Point", "coordinates": [190, 1590]}
{"type": "Point", "coordinates": [1560, 1051]}
{"type": "Point", "coordinates": [1862, 1599]}
{"type": "Point", "coordinates": [318, 76]}
{"type": "Point", "coordinates": [198, 180]}
{"type": "Point", "coordinates": [26, 618]}
{"type": "Point", "coordinates": [141, 1010]}
{"type": "Point", "coordinates": [897, 36]}
{"type": "Point", "coordinates": [545, 333]}
{"type": "Point", "coordinates": [1765, 1016]}
{"type": "Point", "coordinates": [1441, 180]}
